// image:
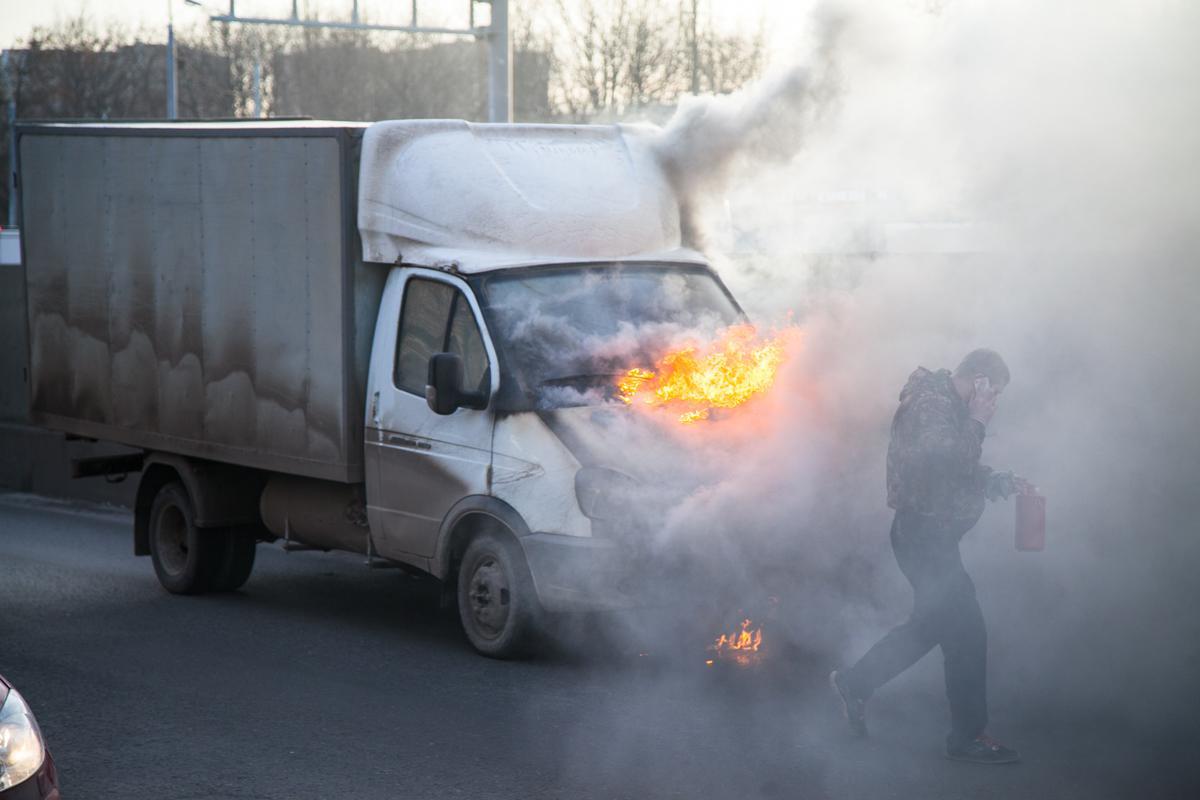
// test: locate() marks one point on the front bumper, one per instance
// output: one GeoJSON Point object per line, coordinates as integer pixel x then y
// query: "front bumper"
{"type": "Point", "coordinates": [42, 785]}
{"type": "Point", "coordinates": [578, 573]}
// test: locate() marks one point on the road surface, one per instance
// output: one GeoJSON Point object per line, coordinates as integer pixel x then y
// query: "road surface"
{"type": "Point", "coordinates": [322, 678]}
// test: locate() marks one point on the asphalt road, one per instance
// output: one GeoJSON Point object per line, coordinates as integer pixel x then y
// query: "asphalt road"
{"type": "Point", "coordinates": [325, 679]}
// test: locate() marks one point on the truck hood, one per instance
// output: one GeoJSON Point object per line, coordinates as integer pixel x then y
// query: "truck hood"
{"type": "Point", "coordinates": [618, 438]}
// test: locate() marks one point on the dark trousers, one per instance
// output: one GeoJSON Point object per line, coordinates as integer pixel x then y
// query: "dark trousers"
{"type": "Point", "coordinates": [945, 612]}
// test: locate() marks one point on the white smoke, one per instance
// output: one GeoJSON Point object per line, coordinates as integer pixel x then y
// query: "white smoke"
{"type": "Point", "coordinates": [1021, 177]}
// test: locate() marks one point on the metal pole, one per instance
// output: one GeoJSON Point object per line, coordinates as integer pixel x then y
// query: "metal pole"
{"type": "Point", "coordinates": [171, 87]}
{"type": "Point", "coordinates": [12, 142]}
{"type": "Point", "coordinates": [695, 52]}
{"type": "Point", "coordinates": [500, 75]}
{"type": "Point", "coordinates": [258, 88]}
{"type": "Point", "coordinates": [347, 26]}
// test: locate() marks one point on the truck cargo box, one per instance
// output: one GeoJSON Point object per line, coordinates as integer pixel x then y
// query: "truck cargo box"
{"type": "Point", "coordinates": [197, 288]}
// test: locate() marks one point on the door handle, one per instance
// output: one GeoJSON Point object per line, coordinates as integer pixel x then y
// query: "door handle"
{"type": "Point", "coordinates": [404, 441]}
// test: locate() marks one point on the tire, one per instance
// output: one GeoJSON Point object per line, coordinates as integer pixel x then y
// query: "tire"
{"type": "Point", "coordinates": [184, 556]}
{"type": "Point", "coordinates": [235, 558]}
{"type": "Point", "coordinates": [497, 602]}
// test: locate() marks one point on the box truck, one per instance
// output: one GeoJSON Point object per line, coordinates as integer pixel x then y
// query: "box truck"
{"type": "Point", "coordinates": [366, 338]}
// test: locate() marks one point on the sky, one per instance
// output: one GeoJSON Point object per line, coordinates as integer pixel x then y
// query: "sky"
{"type": "Point", "coordinates": [782, 21]}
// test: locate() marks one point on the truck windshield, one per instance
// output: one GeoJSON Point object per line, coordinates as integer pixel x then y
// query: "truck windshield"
{"type": "Point", "coordinates": [564, 334]}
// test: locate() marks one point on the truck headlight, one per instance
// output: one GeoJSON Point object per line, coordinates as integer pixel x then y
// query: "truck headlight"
{"type": "Point", "coordinates": [604, 494]}
{"type": "Point", "coordinates": [21, 748]}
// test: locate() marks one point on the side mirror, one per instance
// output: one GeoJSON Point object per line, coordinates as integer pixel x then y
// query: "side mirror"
{"type": "Point", "coordinates": [443, 390]}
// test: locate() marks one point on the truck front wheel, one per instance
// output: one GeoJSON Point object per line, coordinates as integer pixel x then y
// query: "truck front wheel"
{"type": "Point", "coordinates": [497, 602]}
{"type": "Point", "coordinates": [184, 556]}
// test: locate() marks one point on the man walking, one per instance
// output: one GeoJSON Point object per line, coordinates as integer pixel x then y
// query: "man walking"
{"type": "Point", "coordinates": [937, 487]}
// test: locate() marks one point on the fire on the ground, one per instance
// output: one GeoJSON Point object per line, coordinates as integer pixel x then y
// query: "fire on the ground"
{"type": "Point", "coordinates": [742, 646]}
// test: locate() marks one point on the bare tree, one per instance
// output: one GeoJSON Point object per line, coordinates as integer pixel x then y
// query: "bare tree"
{"type": "Point", "coordinates": [245, 49]}
{"type": "Point", "coordinates": [614, 57]}
{"type": "Point", "coordinates": [727, 62]}
{"type": "Point", "coordinates": [75, 70]}
{"type": "Point", "coordinates": [349, 75]}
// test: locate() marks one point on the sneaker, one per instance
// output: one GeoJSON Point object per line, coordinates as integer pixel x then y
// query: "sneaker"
{"type": "Point", "coordinates": [854, 709]}
{"type": "Point", "coordinates": [983, 749]}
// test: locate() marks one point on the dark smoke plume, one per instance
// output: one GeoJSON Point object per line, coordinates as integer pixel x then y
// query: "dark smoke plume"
{"type": "Point", "coordinates": [765, 122]}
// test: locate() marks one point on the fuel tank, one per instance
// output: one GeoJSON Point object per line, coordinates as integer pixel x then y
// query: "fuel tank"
{"type": "Point", "coordinates": [319, 513]}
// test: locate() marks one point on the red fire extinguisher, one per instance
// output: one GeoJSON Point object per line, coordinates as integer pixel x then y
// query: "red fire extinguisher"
{"type": "Point", "coordinates": [1031, 519]}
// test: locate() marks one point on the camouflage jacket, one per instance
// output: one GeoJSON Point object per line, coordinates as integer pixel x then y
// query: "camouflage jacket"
{"type": "Point", "coordinates": [933, 459]}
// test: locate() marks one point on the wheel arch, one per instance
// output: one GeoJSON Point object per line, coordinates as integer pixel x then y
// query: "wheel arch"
{"type": "Point", "coordinates": [466, 518]}
{"type": "Point", "coordinates": [221, 494]}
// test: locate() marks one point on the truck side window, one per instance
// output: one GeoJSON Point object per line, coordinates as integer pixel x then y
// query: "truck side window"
{"type": "Point", "coordinates": [466, 341]}
{"type": "Point", "coordinates": [423, 319]}
{"type": "Point", "coordinates": [436, 318]}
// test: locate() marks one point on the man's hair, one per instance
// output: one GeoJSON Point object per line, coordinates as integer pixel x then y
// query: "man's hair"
{"type": "Point", "coordinates": [984, 362]}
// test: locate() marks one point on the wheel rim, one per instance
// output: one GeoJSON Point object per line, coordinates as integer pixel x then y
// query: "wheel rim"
{"type": "Point", "coordinates": [488, 597]}
{"type": "Point", "coordinates": [171, 540]}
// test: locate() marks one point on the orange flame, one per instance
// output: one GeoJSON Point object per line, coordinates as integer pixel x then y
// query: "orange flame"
{"type": "Point", "coordinates": [741, 646]}
{"type": "Point", "coordinates": [694, 379]}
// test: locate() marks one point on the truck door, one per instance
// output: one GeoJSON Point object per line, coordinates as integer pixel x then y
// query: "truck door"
{"type": "Point", "coordinates": [419, 464]}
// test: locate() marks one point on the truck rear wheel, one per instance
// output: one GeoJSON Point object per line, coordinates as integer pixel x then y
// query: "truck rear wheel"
{"type": "Point", "coordinates": [184, 556]}
{"type": "Point", "coordinates": [497, 602]}
{"type": "Point", "coordinates": [235, 558]}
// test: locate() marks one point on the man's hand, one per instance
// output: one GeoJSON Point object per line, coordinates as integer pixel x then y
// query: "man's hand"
{"type": "Point", "coordinates": [1023, 486]}
{"type": "Point", "coordinates": [982, 406]}
{"type": "Point", "coordinates": [1002, 485]}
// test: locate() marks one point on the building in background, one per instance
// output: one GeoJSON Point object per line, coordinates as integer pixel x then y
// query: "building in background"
{"type": "Point", "coordinates": [338, 78]}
